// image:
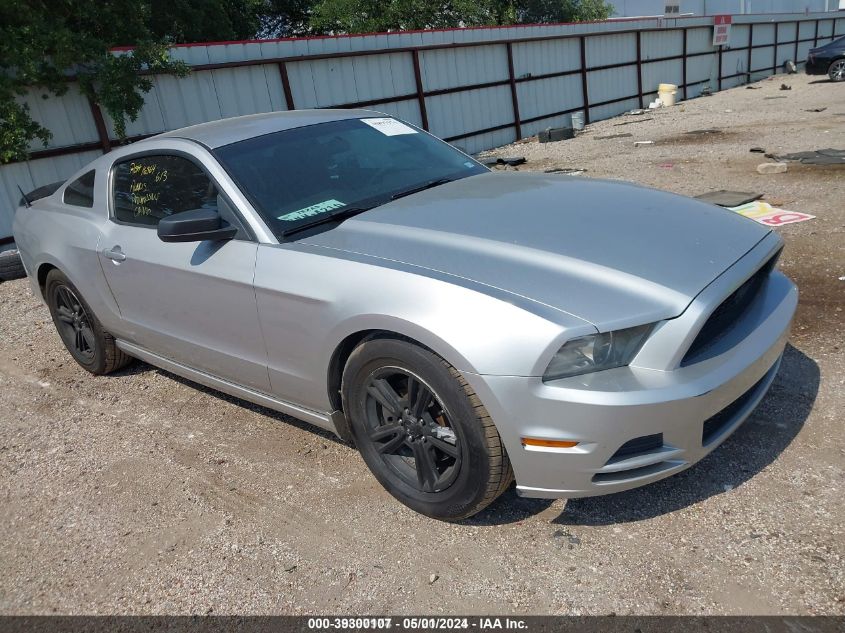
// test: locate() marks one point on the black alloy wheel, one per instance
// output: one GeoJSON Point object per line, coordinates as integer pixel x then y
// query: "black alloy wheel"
{"type": "Point", "coordinates": [74, 324]}
{"type": "Point", "coordinates": [422, 430]}
{"type": "Point", "coordinates": [81, 332]}
{"type": "Point", "coordinates": [411, 430]}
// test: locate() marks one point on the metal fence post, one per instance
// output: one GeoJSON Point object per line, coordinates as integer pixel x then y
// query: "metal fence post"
{"type": "Point", "coordinates": [584, 87]}
{"type": "Point", "coordinates": [283, 73]}
{"type": "Point", "coordinates": [750, 48]}
{"type": "Point", "coordinates": [100, 124]}
{"type": "Point", "coordinates": [719, 73]}
{"type": "Point", "coordinates": [415, 55]}
{"type": "Point", "coordinates": [514, 97]}
{"type": "Point", "coordinates": [775, 51]}
{"type": "Point", "coordinates": [640, 68]}
{"type": "Point", "coordinates": [684, 62]}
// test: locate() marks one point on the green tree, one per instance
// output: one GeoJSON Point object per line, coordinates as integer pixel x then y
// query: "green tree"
{"type": "Point", "coordinates": [44, 44]}
{"type": "Point", "coordinates": [285, 18]}
{"type": "Point", "coordinates": [368, 16]}
{"type": "Point", "coordinates": [205, 20]}
{"type": "Point", "coordinates": [550, 11]}
{"type": "Point", "coordinates": [360, 16]}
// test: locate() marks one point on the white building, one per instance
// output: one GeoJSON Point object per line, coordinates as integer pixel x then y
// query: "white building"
{"type": "Point", "coordinates": [631, 8]}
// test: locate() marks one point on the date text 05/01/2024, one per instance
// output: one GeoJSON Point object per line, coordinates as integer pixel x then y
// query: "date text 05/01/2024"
{"type": "Point", "coordinates": [416, 623]}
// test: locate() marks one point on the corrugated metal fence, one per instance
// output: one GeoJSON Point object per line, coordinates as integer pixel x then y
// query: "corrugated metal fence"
{"type": "Point", "coordinates": [478, 88]}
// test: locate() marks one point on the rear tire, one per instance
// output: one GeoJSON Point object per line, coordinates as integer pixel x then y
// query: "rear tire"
{"type": "Point", "coordinates": [11, 266]}
{"type": "Point", "coordinates": [836, 72]}
{"type": "Point", "coordinates": [81, 332]}
{"type": "Point", "coordinates": [422, 431]}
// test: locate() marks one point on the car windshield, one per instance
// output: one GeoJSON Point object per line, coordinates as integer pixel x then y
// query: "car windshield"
{"type": "Point", "coordinates": [298, 177]}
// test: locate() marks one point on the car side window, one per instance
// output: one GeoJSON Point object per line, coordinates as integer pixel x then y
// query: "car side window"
{"type": "Point", "coordinates": [148, 188]}
{"type": "Point", "coordinates": [80, 193]}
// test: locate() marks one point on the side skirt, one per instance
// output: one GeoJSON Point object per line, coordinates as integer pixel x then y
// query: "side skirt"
{"type": "Point", "coordinates": [323, 420]}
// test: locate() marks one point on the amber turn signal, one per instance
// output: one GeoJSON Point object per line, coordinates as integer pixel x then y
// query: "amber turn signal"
{"type": "Point", "coordinates": [536, 441]}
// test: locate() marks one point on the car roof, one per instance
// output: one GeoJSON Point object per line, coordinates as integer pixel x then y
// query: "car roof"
{"type": "Point", "coordinates": [226, 131]}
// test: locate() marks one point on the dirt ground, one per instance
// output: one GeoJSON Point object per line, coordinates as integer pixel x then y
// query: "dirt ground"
{"type": "Point", "coordinates": [142, 493]}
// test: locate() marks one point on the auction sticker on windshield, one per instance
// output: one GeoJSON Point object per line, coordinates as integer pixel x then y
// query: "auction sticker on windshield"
{"type": "Point", "coordinates": [388, 126]}
{"type": "Point", "coordinates": [314, 209]}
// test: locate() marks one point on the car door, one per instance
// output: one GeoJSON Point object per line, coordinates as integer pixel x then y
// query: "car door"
{"type": "Point", "coordinates": [191, 302]}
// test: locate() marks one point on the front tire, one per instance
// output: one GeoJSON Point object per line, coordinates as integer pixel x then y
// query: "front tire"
{"type": "Point", "coordinates": [422, 431]}
{"type": "Point", "coordinates": [836, 72]}
{"type": "Point", "coordinates": [81, 332]}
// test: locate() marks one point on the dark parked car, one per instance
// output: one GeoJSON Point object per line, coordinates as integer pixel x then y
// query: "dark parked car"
{"type": "Point", "coordinates": [828, 60]}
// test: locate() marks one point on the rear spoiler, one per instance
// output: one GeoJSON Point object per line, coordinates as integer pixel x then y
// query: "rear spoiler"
{"type": "Point", "coordinates": [41, 192]}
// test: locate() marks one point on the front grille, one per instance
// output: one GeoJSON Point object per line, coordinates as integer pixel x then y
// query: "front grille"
{"type": "Point", "coordinates": [727, 314]}
{"type": "Point", "coordinates": [714, 425]}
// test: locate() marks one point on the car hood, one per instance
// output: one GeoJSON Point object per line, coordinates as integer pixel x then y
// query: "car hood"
{"type": "Point", "coordinates": [614, 254]}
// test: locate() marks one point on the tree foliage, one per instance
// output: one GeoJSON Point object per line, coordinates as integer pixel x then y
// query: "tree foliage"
{"type": "Point", "coordinates": [44, 44]}
{"type": "Point", "coordinates": [285, 18]}
{"type": "Point", "coordinates": [368, 16]}
{"type": "Point", "coordinates": [548, 11]}
{"type": "Point", "coordinates": [361, 16]}
{"type": "Point", "coordinates": [205, 20]}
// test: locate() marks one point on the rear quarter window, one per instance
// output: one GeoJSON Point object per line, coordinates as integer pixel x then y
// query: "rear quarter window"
{"type": "Point", "coordinates": [80, 193]}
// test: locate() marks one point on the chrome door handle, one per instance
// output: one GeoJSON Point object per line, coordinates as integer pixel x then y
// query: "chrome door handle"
{"type": "Point", "coordinates": [114, 254]}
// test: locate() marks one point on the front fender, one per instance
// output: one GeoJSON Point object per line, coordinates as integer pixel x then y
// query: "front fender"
{"type": "Point", "coordinates": [311, 300]}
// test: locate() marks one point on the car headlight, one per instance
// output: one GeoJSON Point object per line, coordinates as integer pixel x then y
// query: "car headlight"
{"type": "Point", "coordinates": [596, 352]}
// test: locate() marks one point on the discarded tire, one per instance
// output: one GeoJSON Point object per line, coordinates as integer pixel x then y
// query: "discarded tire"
{"type": "Point", "coordinates": [11, 266]}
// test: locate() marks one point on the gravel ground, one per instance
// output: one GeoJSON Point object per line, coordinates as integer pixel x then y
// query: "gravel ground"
{"type": "Point", "coordinates": [142, 493]}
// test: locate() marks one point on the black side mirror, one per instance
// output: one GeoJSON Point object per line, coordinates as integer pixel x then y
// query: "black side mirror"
{"type": "Point", "coordinates": [196, 225]}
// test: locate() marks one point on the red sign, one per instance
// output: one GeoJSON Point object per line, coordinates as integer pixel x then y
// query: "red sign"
{"type": "Point", "coordinates": [721, 30]}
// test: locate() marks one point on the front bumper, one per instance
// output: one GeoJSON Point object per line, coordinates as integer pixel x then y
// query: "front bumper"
{"type": "Point", "coordinates": [692, 408]}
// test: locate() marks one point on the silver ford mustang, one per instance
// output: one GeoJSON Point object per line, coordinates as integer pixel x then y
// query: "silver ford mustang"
{"type": "Point", "coordinates": [463, 328]}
